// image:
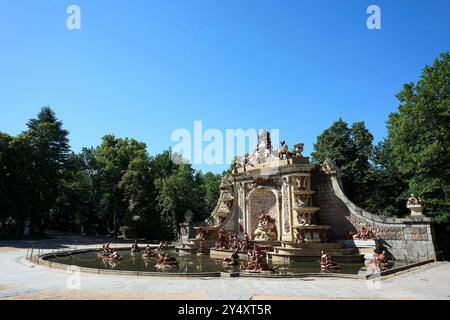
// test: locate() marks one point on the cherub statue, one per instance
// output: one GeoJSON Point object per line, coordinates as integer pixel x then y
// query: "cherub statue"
{"type": "Point", "coordinates": [298, 149]}
{"type": "Point", "coordinates": [284, 151]}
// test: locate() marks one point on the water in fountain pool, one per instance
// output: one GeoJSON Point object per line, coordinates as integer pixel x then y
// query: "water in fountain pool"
{"type": "Point", "coordinates": [187, 263]}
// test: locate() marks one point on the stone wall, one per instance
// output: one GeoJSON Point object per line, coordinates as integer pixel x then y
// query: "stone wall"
{"type": "Point", "coordinates": [409, 238]}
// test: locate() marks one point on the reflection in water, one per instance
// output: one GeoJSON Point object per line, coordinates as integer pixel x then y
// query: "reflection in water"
{"type": "Point", "coordinates": [146, 261]}
{"type": "Point", "coordinates": [133, 257]}
{"type": "Point", "coordinates": [108, 263]}
{"type": "Point", "coordinates": [199, 263]}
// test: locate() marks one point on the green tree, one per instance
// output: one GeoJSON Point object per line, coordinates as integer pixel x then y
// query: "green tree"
{"type": "Point", "coordinates": [7, 204]}
{"type": "Point", "coordinates": [116, 185]}
{"type": "Point", "coordinates": [40, 155]}
{"type": "Point", "coordinates": [419, 137]}
{"type": "Point", "coordinates": [211, 183]}
{"type": "Point", "coordinates": [419, 140]}
{"type": "Point", "coordinates": [351, 149]}
{"type": "Point", "coordinates": [112, 159]}
{"type": "Point", "coordinates": [137, 186]}
{"type": "Point", "coordinates": [162, 165]}
{"type": "Point", "coordinates": [387, 187]}
{"type": "Point", "coordinates": [75, 207]}
{"type": "Point", "coordinates": [177, 194]}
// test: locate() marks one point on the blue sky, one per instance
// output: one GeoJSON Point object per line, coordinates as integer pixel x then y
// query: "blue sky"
{"type": "Point", "coordinates": [142, 69]}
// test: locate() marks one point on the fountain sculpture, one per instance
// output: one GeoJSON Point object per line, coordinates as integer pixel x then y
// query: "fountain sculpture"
{"type": "Point", "coordinates": [201, 249]}
{"type": "Point", "coordinates": [257, 261]}
{"type": "Point", "coordinates": [135, 247]}
{"type": "Point", "coordinates": [166, 262]}
{"type": "Point", "coordinates": [244, 245]}
{"type": "Point", "coordinates": [149, 252]}
{"type": "Point", "coordinates": [276, 197]}
{"type": "Point", "coordinates": [379, 261]}
{"type": "Point", "coordinates": [327, 264]}
{"type": "Point", "coordinates": [232, 260]}
{"type": "Point", "coordinates": [363, 233]}
{"type": "Point", "coordinates": [221, 242]}
{"type": "Point", "coordinates": [266, 230]}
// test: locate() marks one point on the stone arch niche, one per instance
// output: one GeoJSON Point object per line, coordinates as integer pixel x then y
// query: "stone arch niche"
{"type": "Point", "coordinates": [262, 200]}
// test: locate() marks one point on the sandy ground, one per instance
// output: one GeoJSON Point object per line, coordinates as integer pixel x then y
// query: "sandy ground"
{"type": "Point", "coordinates": [80, 295]}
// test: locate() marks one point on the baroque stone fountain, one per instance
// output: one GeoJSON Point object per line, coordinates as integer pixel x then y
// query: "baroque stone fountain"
{"type": "Point", "coordinates": [268, 200]}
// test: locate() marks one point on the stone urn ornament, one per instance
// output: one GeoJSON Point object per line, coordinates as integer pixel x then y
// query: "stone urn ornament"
{"type": "Point", "coordinates": [414, 204]}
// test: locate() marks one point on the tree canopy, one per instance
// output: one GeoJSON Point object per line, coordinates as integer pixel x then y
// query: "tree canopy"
{"type": "Point", "coordinates": [115, 188]}
{"type": "Point", "coordinates": [350, 148]}
{"type": "Point", "coordinates": [414, 158]}
{"type": "Point", "coordinates": [419, 137]}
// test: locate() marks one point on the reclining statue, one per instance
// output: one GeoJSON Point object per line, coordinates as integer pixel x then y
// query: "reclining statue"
{"type": "Point", "coordinates": [266, 230]}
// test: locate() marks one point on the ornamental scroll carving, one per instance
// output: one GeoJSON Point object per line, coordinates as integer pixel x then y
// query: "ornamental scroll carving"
{"type": "Point", "coordinates": [418, 233]}
{"type": "Point", "coordinates": [392, 232]}
{"type": "Point", "coordinates": [260, 182]}
{"type": "Point", "coordinates": [387, 233]}
{"type": "Point", "coordinates": [285, 203]}
{"type": "Point", "coordinates": [241, 201]}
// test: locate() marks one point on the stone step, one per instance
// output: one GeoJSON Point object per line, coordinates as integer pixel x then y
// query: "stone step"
{"type": "Point", "coordinates": [281, 258]}
{"type": "Point", "coordinates": [184, 250]}
{"type": "Point", "coordinates": [189, 246]}
{"type": "Point", "coordinates": [371, 244]}
{"type": "Point", "coordinates": [313, 252]}
{"type": "Point", "coordinates": [197, 241]}
{"type": "Point", "coordinates": [313, 245]}
{"type": "Point", "coordinates": [265, 243]}
{"type": "Point", "coordinates": [225, 253]}
{"type": "Point", "coordinates": [194, 244]}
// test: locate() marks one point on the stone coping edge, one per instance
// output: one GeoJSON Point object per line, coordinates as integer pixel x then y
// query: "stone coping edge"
{"type": "Point", "coordinates": [301, 275]}
{"type": "Point", "coordinates": [361, 213]}
{"type": "Point", "coordinates": [400, 269]}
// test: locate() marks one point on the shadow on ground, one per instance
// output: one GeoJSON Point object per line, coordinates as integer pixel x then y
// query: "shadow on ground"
{"type": "Point", "coordinates": [60, 240]}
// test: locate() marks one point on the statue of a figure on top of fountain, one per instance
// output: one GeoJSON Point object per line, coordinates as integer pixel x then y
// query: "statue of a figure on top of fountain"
{"type": "Point", "coordinates": [264, 151]}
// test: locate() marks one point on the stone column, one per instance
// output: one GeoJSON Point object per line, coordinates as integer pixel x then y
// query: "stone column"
{"type": "Point", "coordinates": [287, 223]}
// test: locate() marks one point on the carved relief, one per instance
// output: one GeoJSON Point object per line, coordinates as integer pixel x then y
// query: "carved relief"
{"type": "Point", "coordinates": [287, 225]}
{"type": "Point", "coordinates": [382, 232]}
{"type": "Point", "coordinates": [329, 167]}
{"type": "Point", "coordinates": [271, 183]}
{"type": "Point", "coordinates": [303, 200]}
{"type": "Point", "coordinates": [248, 187]}
{"type": "Point", "coordinates": [301, 183]}
{"type": "Point", "coordinates": [285, 197]}
{"type": "Point", "coordinates": [389, 233]}
{"type": "Point", "coordinates": [241, 201]}
{"type": "Point", "coordinates": [263, 201]}
{"type": "Point", "coordinates": [267, 182]}
{"type": "Point", "coordinates": [418, 233]}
